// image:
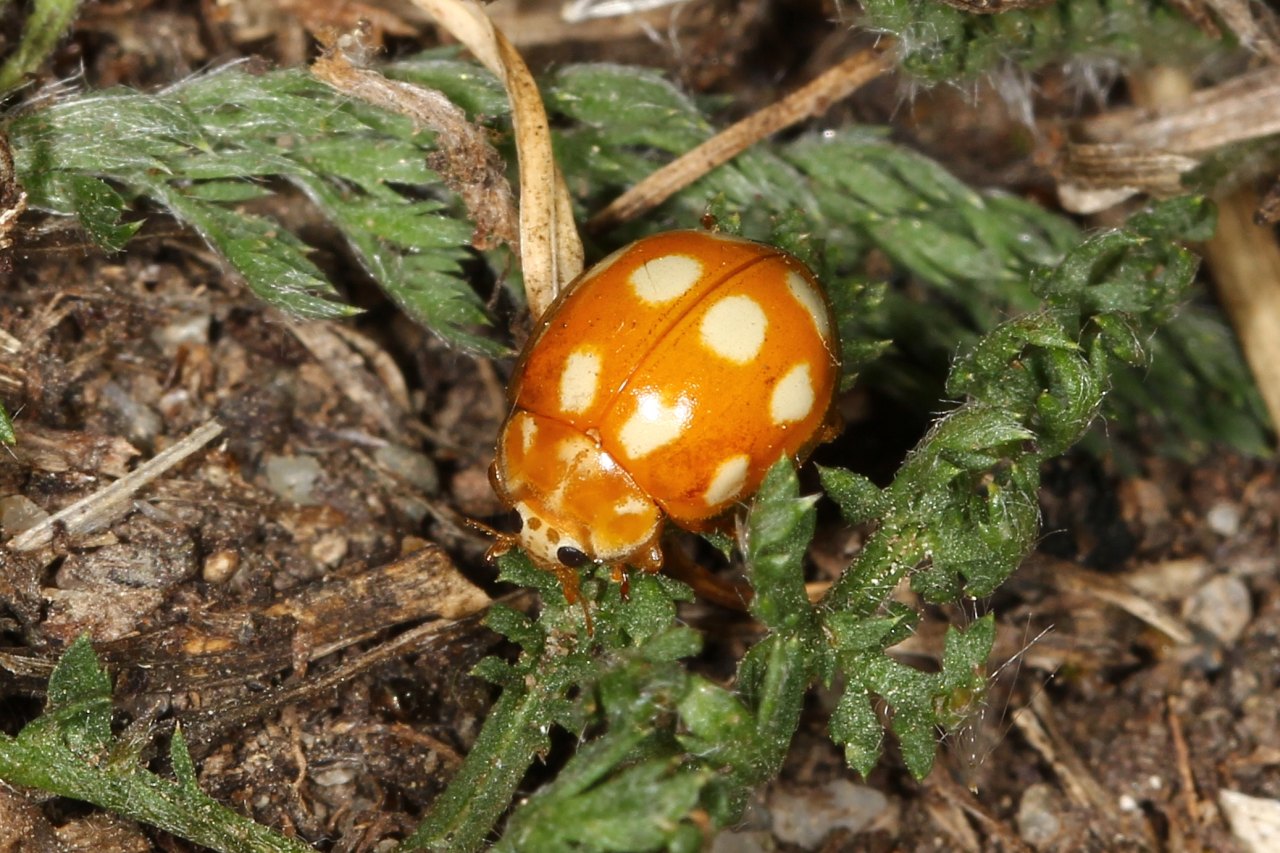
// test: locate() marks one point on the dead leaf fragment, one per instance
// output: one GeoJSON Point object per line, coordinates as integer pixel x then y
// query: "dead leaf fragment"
{"type": "Point", "coordinates": [550, 248]}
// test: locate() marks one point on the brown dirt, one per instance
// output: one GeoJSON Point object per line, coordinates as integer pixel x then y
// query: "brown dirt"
{"type": "Point", "coordinates": [268, 624]}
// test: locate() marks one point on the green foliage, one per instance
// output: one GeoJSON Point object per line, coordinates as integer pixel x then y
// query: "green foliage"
{"type": "Point", "coordinates": [943, 44]}
{"type": "Point", "coordinates": [659, 743]}
{"type": "Point", "coordinates": [70, 751]}
{"type": "Point", "coordinates": [7, 435]}
{"type": "Point", "coordinates": [957, 519]}
{"type": "Point", "coordinates": [206, 149]}
{"type": "Point", "coordinates": [969, 254]}
{"type": "Point", "coordinates": [975, 256]}
{"type": "Point", "coordinates": [624, 122]}
{"type": "Point", "coordinates": [961, 512]}
{"type": "Point", "coordinates": [45, 23]}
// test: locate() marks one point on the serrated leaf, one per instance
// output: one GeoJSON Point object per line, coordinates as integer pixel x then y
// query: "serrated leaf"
{"type": "Point", "coordinates": [78, 677]}
{"type": "Point", "coordinates": [515, 626]}
{"type": "Point", "coordinates": [855, 726]}
{"type": "Point", "coordinates": [965, 652]}
{"type": "Point", "coordinates": [184, 769]}
{"type": "Point", "coordinates": [466, 84]}
{"type": "Point", "coordinates": [645, 613]}
{"type": "Point", "coordinates": [773, 678]}
{"type": "Point", "coordinates": [854, 634]}
{"type": "Point", "coordinates": [973, 437]}
{"type": "Point", "coordinates": [918, 741]}
{"type": "Point", "coordinates": [779, 529]}
{"type": "Point", "coordinates": [272, 261]}
{"type": "Point", "coordinates": [68, 751]}
{"type": "Point", "coordinates": [413, 252]}
{"type": "Point", "coordinates": [497, 671]}
{"type": "Point", "coordinates": [99, 208]}
{"type": "Point", "coordinates": [859, 499]}
{"type": "Point", "coordinates": [640, 808]}
{"type": "Point", "coordinates": [672, 644]}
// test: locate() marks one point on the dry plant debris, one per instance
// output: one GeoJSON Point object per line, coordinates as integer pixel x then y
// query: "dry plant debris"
{"type": "Point", "coordinates": [550, 248]}
{"type": "Point", "coordinates": [312, 648]}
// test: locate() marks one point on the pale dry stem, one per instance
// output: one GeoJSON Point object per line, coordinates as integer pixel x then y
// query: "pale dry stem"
{"type": "Point", "coordinates": [815, 98]}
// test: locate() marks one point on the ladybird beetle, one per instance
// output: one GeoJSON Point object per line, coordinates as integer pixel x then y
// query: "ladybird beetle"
{"type": "Point", "coordinates": [662, 383]}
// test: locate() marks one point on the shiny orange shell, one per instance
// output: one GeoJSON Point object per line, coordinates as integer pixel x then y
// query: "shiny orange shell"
{"type": "Point", "coordinates": [663, 383]}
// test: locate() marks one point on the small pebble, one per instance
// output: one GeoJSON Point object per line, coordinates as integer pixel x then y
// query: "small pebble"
{"type": "Point", "coordinates": [1255, 821]}
{"type": "Point", "coordinates": [1223, 518]}
{"type": "Point", "coordinates": [185, 330]}
{"type": "Point", "coordinates": [1221, 607]}
{"type": "Point", "coordinates": [139, 423]}
{"type": "Point", "coordinates": [1038, 822]}
{"type": "Point", "coordinates": [293, 477]}
{"type": "Point", "coordinates": [337, 775]}
{"type": "Point", "coordinates": [414, 467]}
{"type": "Point", "coordinates": [220, 566]}
{"type": "Point", "coordinates": [19, 513]}
{"type": "Point", "coordinates": [805, 816]}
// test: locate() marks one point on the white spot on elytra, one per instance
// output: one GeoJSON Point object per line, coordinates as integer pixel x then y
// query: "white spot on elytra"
{"type": "Point", "coordinates": [571, 448]}
{"type": "Point", "coordinates": [793, 396]}
{"type": "Point", "coordinates": [734, 328]}
{"type": "Point", "coordinates": [665, 279]}
{"type": "Point", "coordinates": [808, 297]}
{"type": "Point", "coordinates": [728, 480]}
{"type": "Point", "coordinates": [631, 506]}
{"type": "Point", "coordinates": [528, 433]}
{"type": "Point", "coordinates": [579, 380]}
{"type": "Point", "coordinates": [653, 425]}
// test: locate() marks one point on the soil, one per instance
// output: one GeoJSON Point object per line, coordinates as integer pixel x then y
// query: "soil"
{"type": "Point", "coordinates": [269, 591]}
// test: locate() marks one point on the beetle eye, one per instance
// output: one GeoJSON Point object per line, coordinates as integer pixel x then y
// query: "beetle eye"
{"type": "Point", "coordinates": [571, 557]}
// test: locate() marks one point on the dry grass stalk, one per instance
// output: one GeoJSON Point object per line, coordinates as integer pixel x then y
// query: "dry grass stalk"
{"type": "Point", "coordinates": [102, 507]}
{"type": "Point", "coordinates": [1245, 262]}
{"type": "Point", "coordinates": [550, 248]}
{"type": "Point", "coordinates": [810, 100]}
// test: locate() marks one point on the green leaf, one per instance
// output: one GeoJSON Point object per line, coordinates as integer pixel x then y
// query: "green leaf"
{"type": "Point", "coordinates": [515, 626]}
{"type": "Point", "coordinates": [78, 678]}
{"type": "Point", "coordinates": [44, 25]}
{"type": "Point", "coordinates": [99, 208]}
{"type": "Point", "coordinates": [854, 725]}
{"type": "Point", "coordinates": [941, 43]}
{"type": "Point", "coordinates": [779, 530]}
{"type": "Point", "coordinates": [856, 634]}
{"type": "Point", "coordinates": [180, 759]}
{"type": "Point", "coordinates": [859, 499]}
{"type": "Point", "coordinates": [773, 679]}
{"type": "Point", "coordinates": [79, 703]}
{"type": "Point", "coordinates": [641, 808]}
{"type": "Point", "coordinates": [7, 434]}
{"type": "Point", "coordinates": [204, 145]}
{"type": "Point", "coordinates": [69, 751]}
{"type": "Point", "coordinates": [272, 261]}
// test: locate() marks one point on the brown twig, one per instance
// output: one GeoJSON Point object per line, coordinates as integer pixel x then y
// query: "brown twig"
{"type": "Point", "coordinates": [810, 100]}
{"type": "Point", "coordinates": [466, 161]}
{"type": "Point", "coordinates": [1190, 801]}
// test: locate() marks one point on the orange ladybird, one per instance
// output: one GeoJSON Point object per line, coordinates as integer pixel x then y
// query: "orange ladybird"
{"type": "Point", "coordinates": [662, 383]}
